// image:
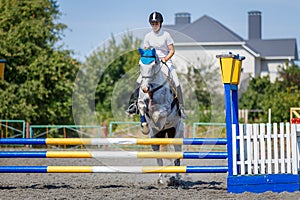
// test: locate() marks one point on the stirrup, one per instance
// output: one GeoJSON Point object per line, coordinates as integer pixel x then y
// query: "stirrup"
{"type": "Point", "coordinates": [132, 109]}
{"type": "Point", "coordinates": [145, 129]}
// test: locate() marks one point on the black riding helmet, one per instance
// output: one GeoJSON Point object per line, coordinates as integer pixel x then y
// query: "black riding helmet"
{"type": "Point", "coordinates": [156, 17]}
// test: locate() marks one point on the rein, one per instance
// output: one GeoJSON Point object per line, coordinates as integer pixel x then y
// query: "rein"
{"type": "Point", "coordinates": [159, 87]}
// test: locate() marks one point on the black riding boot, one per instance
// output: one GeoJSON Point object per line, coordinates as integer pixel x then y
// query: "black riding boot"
{"type": "Point", "coordinates": [180, 101]}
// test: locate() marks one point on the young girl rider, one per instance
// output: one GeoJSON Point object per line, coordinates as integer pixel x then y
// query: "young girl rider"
{"type": "Point", "coordinates": [163, 43]}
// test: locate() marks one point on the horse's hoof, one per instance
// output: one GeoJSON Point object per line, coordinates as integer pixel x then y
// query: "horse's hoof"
{"type": "Point", "coordinates": [145, 129]}
{"type": "Point", "coordinates": [173, 181]}
{"type": "Point", "coordinates": [160, 181]}
{"type": "Point", "coordinates": [167, 175]}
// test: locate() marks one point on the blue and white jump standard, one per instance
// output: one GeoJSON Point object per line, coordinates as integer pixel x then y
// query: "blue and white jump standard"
{"type": "Point", "coordinates": [230, 66]}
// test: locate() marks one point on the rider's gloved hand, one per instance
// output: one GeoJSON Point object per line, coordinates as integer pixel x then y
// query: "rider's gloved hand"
{"type": "Point", "coordinates": [163, 61]}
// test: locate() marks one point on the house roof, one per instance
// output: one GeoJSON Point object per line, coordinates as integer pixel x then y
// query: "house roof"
{"type": "Point", "coordinates": [208, 30]}
{"type": "Point", "coordinates": [275, 47]}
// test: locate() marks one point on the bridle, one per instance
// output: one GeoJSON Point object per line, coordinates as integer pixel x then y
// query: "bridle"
{"type": "Point", "coordinates": [155, 73]}
{"type": "Point", "coordinates": [153, 77]}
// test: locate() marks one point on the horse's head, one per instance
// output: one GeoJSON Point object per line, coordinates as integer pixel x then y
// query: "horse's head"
{"type": "Point", "coordinates": [149, 67]}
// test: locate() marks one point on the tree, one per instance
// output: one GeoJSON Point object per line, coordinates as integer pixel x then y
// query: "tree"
{"type": "Point", "coordinates": [39, 73]}
{"type": "Point", "coordinates": [285, 94]}
{"type": "Point", "coordinates": [280, 96]}
{"type": "Point", "coordinates": [207, 95]}
{"type": "Point", "coordinates": [290, 76]}
{"type": "Point", "coordinates": [106, 81]}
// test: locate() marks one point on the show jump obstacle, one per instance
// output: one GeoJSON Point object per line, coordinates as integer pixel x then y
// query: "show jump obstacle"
{"type": "Point", "coordinates": [254, 155]}
{"type": "Point", "coordinates": [261, 157]}
{"type": "Point", "coordinates": [113, 154]}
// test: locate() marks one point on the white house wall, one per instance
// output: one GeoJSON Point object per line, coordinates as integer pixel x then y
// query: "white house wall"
{"type": "Point", "coordinates": [197, 55]}
{"type": "Point", "coordinates": [271, 68]}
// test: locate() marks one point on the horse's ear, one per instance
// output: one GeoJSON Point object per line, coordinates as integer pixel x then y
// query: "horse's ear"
{"type": "Point", "coordinates": [141, 50]}
{"type": "Point", "coordinates": [153, 51]}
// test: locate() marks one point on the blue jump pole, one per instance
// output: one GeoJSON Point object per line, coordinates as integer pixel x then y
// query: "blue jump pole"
{"type": "Point", "coordinates": [227, 90]}
{"type": "Point", "coordinates": [47, 141]}
{"type": "Point", "coordinates": [49, 154]}
{"type": "Point", "coordinates": [93, 169]}
{"type": "Point", "coordinates": [235, 114]}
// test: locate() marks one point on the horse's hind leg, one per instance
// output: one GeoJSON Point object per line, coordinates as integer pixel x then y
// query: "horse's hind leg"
{"type": "Point", "coordinates": [159, 163]}
{"type": "Point", "coordinates": [176, 133]}
{"type": "Point", "coordinates": [177, 148]}
{"type": "Point", "coordinates": [175, 180]}
{"type": "Point", "coordinates": [159, 160]}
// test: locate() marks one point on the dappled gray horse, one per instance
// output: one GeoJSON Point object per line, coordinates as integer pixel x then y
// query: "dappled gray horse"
{"type": "Point", "coordinates": [157, 103]}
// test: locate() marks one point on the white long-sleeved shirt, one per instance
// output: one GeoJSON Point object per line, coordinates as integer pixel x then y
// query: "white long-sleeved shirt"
{"type": "Point", "coordinates": [159, 41]}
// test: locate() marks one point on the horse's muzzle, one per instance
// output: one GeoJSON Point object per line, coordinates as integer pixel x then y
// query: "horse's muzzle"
{"type": "Point", "coordinates": [146, 88]}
